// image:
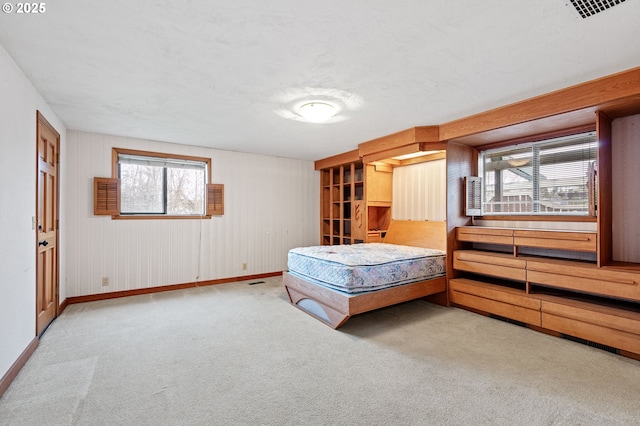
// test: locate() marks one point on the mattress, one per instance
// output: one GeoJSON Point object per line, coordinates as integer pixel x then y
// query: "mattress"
{"type": "Point", "coordinates": [358, 268]}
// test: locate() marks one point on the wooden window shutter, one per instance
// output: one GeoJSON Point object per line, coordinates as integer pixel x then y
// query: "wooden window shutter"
{"type": "Point", "coordinates": [215, 199]}
{"type": "Point", "coordinates": [106, 196]}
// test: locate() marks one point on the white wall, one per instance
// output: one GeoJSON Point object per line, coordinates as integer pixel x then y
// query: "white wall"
{"type": "Point", "coordinates": [420, 191]}
{"type": "Point", "coordinates": [18, 104]}
{"type": "Point", "coordinates": [271, 205]}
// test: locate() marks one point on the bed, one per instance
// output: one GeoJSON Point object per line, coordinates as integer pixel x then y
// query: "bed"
{"type": "Point", "coordinates": [333, 283]}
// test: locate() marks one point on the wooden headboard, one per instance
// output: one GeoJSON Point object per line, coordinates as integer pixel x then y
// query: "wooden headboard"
{"type": "Point", "coordinates": [419, 233]}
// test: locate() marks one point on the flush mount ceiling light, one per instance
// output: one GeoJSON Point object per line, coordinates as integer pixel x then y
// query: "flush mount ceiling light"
{"type": "Point", "coordinates": [316, 104]}
{"type": "Point", "coordinates": [317, 112]}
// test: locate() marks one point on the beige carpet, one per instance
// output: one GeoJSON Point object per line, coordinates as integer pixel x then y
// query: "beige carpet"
{"type": "Point", "coordinates": [239, 354]}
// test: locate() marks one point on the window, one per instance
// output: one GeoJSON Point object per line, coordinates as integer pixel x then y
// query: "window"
{"type": "Point", "coordinates": [149, 184]}
{"type": "Point", "coordinates": [550, 177]}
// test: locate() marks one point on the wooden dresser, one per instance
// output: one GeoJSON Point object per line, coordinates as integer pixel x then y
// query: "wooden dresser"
{"type": "Point", "coordinates": [550, 281]}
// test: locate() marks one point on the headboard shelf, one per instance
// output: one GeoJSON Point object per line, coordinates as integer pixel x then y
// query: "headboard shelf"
{"type": "Point", "coordinates": [419, 233]}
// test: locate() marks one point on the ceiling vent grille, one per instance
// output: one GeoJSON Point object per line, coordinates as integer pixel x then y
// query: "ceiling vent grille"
{"type": "Point", "coordinates": [591, 7]}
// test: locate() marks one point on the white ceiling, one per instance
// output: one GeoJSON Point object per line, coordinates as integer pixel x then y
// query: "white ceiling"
{"type": "Point", "coordinates": [227, 74]}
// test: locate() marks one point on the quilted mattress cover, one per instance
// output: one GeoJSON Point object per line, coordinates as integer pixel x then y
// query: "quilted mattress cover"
{"type": "Point", "coordinates": [358, 268]}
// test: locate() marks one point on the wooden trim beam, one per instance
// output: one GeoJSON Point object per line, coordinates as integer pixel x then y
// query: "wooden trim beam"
{"type": "Point", "coordinates": [611, 92]}
{"type": "Point", "coordinates": [567, 131]}
{"type": "Point", "coordinates": [338, 160]}
{"type": "Point", "coordinates": [616, 95]}
{"type": "Point", "coordinates": [404, 150]}
{"type": "Point", "coordinates": [390, 153]}
{"type": "Point", "coordinates": [405, 137]}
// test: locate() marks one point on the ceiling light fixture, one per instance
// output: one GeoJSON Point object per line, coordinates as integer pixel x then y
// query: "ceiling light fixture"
{"type": "Point", "coordinates": [317, 112]}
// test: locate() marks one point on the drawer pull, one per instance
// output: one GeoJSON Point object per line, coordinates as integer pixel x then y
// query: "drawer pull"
{"type": "Point", "coordinates": [481, 262]}
{"type": "Point", "coordinates": [608, 280]}
{"type": "Point", "coordinates": [625, 282]}
{"type": "Point", "coordinates": [565, 238]}
{"type": "Point", "coordinates": [471, 259]}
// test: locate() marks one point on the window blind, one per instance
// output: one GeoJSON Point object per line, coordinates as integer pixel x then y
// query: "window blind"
{"type": "Point", "coordinates": [544, 177]}
{"type": "Point", "coordinates": [161, 162]}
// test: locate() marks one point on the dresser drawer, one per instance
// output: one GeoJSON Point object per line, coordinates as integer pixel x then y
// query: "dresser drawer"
{"type": "Point", "coordinates": [478, 234]}
{"type": "Point", "coordinates": [608, 326]}
{"type": "Point", "coordinates": [585, 278]}
{"type": "Point", "coordinates": [560, 240]}
{"type": "Point", "coordinates": [494, 299]}
{"type": "Point", "coordinates": [494, 264]}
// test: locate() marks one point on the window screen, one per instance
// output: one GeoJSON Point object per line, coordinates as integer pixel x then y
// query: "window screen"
{"type": "Point", "coordinates": [550, 177]}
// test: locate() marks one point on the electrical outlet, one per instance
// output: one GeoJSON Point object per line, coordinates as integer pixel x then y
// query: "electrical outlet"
{"type": "Point", "coordinates": [244, 266]}
{"type": "Point", "coordinates": [105, 281]}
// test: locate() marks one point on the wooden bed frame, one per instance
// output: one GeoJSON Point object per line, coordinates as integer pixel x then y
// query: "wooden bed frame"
{"type": "Point", "coordinates": [334, 308]}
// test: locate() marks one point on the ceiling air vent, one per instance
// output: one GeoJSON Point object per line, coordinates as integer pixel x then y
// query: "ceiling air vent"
{"type": "Point", "coordinates": [591, 7]}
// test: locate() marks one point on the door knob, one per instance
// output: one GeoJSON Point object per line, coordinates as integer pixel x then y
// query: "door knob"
{"type": "Point", "coordinates": [43, 243]}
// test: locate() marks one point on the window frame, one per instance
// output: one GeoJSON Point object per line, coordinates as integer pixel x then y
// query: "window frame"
{"type": "Point", "coordinates": [531, 140]}
{"type": "Point", "coordinates": [114, 174]}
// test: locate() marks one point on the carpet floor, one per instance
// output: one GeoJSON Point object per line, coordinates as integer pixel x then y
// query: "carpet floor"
{"type": "Point", "coordinates": [239, 354]}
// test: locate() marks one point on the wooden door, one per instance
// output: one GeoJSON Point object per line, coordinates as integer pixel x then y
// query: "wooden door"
{"type": "Point", "coordinates": [46, 225]}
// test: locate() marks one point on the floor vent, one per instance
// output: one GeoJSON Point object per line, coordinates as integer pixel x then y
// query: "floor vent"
{"type": "Point", "coordinates": [592, 344]}
{"type": "Point", "coordinates": [509, 320]}
{"type": "Point", "coordinates": [588, 8]}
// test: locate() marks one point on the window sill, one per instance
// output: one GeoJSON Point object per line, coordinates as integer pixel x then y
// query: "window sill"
{"type": "Point", "coordinates": [156, 217]}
